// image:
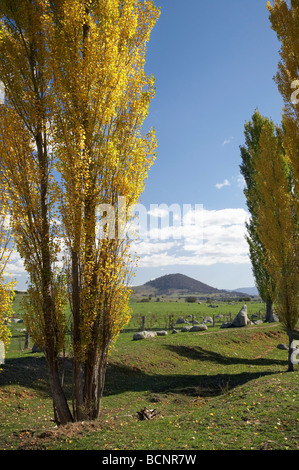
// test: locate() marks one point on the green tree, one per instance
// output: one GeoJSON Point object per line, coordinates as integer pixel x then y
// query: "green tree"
{"type": "Point", "coordinates": [264, 281]}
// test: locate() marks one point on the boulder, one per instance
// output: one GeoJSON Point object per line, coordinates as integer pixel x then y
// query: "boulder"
{"type": "Point", "coordinates": [208, 320]}
{"type": "Point", "coordinates": [274, 318]}
{"type": "Point", "coordinates": [144, 335]}
{"type": "Point", "coordinates": [186, 328]}
{"type": "Point", "coordinates": [198, 328]}
{"type": "Point", "coordinates": [181, 320]}
{"type": "Point", "coordinates": [226, 325]}
{"type": "Point", "coordinates": [282, 346]}
{"type": "Point", "coordinates": [241, 319]}
{"type": "Point", "coordinates": [161, 333]}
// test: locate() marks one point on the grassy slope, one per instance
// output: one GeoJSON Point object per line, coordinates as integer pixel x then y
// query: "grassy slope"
{"type": "Point", "coordinates": [219, 389]}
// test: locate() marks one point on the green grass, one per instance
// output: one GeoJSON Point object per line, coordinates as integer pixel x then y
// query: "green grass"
{"type": "Point", "coordinates": [217, 389]}
{"type": "Point", "coordinates": [158, 313]}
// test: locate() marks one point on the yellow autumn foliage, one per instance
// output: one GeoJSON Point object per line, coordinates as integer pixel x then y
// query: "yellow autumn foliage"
{"type": "Point", "coordinates": [72, 140]}
{"type": "Point", "coordinates": [277, 222]}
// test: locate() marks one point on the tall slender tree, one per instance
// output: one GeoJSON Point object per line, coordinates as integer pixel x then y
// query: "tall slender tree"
{"type": "Point", "coordinates": [257, 252]}
{"type": "Point", "coordinates": [284, 18]}
{"type": "Point", "coordinates": [72, 148]}
{"type": "Point", "coordinates": [102, 97]}
{"type": "Point", "coordinates": [277, 225]}
{"type": "Point", "coordinates": [26, 165]}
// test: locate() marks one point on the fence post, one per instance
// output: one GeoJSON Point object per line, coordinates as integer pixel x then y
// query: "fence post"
{"type": "Point", "coordinates": [26, 345]}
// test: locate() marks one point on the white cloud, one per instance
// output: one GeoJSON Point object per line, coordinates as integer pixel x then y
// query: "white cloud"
{"type": "Point", "coordinates": [221, 185]}
{"type": "Point", "coordinates": [15, 267]}
{"type": "Point", "coordinates": [241, 181]}
{"type": "Point", "coordinates": [202, 238]}
{"type": "Point", "coordinates": [213, 237]}
{"type": "Point", "coordinates": [227, 141]}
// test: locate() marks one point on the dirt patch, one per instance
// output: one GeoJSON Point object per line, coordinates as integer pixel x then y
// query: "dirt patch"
{"type": "Point", "coordinates": [37, 440]}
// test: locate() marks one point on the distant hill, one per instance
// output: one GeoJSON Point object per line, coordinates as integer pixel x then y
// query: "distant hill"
{"type": "Point", "coordinates": [178, 284]}
{"type": "Point", "coordinates": [248, 290]}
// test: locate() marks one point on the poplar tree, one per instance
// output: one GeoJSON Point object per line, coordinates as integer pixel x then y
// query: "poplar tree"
{"type": "Point", "coordinates": [277, 225]}
{"type": "Point", "coordinates": [72, 148]}
{"type": "Point", "coordinates": [102, 95]}
{"type": "Point", "coordinates": [27, 169]}
{"type": "Point", "coordinates": [284, 18]}
{"type": "Point", "coordinates": [257, 252]}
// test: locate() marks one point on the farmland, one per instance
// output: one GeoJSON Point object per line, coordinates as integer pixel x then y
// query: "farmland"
{"type": "Point", "coordinates": [217, 390]}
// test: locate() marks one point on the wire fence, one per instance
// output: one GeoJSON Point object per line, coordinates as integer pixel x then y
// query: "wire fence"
{"type": "Point", "coordinates": [171, 321]}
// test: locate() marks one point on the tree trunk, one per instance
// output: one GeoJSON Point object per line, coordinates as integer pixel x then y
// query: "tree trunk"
{"type": "Point", "coordinates": [94, 383]}
{"type": "Point", "coordinates": [269, 311]}
{"type": "Point", "coordinates": [102, 378]}
{"type": "Point", "coordinates": [62, 414]}
{"type": "Point", "coordinates": [77, 360]}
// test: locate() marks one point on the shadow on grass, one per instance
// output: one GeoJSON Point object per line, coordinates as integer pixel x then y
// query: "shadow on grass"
{"type": "Point", "coordinates": [121, 378]}
{"type": "Point", "coordinates": [200, 354]}
{"type": "Point", "coordinates": [28, 372]}
{"type": "Point", "coordinates": [31, 372]}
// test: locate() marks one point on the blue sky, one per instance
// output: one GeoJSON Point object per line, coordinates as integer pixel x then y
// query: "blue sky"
{"type": "Point", "coordinates": [214, 63]}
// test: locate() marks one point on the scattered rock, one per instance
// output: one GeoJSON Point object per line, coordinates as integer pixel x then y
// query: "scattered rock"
{"type": "Point", "coordinates": [181, 320]}
{"type": "Point", "coordinates": [208, 320]}
{"type": "Point", "coordinates": [144, 335]}
{"type": "Point", "coordinates": [241, 319]}
{"type": "Point", "coordinates": [174, 331]}
{"type": "Point", "coordinates": [161, 333]}
{"type": "Point", "coordinates": [283, 346]}
{"type": "Point", "coordinates": [226, 325]}
{"type": "Point", "coordinates": [274, 318]}
{"type": "Point", "coordinates": [186, 328]}
{"type": "Point", "coordinates": [198, 328]}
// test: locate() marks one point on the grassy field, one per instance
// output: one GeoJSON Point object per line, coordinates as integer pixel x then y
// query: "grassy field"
{"type": "Point", "coordinates": [221, 389]}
